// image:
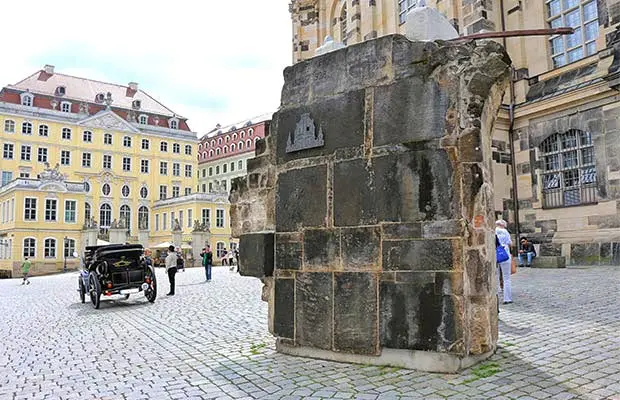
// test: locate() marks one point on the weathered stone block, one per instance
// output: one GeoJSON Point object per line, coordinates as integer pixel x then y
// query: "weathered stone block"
{"type": "Point", "coordinates": [354, 194]}
{"type": "Point", "coordinates": [419, 255]}
{"type": "Point", "coordinates": [410, 110]}
{"type": "Point", "coordinates": [288, 253]}
{"type": "Point", "coordinates": [360, 248]}
{"type": "Point", "coordinates": [412, 230]}
{"type": "Point", "coordinates": [549, 262]}
{"type": "Point", "coordinates": [584, 253]}
{"type": "Point", "coordinates": [413, 317]}
{"type": "Point", "coordinates": [355, 312]}
{"type": "Point", "coordinates": [314, 309]}
{"type": "Point", "coordinates": [257, 258]}
{"type": "Point", "coordinates": [284, 308]}
{"type": "Point", "coordinates": [340, 118]}
{"type": "Point", "coordinates": [414, 186]}
{"type": "Point", "coordinates": [321, 249]}
{"type": "Point", "coordinates": [301, 199]}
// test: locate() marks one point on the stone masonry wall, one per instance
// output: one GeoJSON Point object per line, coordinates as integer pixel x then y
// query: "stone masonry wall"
{"type": "Point", "coordinates": [381, 238]}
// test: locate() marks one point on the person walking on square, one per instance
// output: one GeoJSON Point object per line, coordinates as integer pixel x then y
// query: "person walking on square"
{"type": "Point", "coordinates": [224, 258]}
{"type": "Point", "coordinates": [171, 268]}
{"type": "Point", "coordinates": [526, 251]}
{"type": "Point", "coordinates": [504, 268]}
{"type": "Point", "coordinates": [207, 261]}
{"type": "Point", "coordinates": [25, 270]}
{"type": "Point", "coordinates": [180, 260]}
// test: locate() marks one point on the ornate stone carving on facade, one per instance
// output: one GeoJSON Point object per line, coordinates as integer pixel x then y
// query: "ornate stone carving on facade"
{"type": "Point", "coordinates": [177, 225]}
{"type": "Point", "coordinates": [114, 224]}
{"type": "Point", "coordinates": [84, 108]}
{"type": "Point", "coordinates": [143, 222]}
{"type": "Point", "coordinates": [305, 135]}
{"type": "Point", "coordinates": [54, 175]}
{"type": "Point", "coordinates": [108, 101]}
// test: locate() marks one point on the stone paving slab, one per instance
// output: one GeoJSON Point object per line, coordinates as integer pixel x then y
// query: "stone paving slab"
{"type": "Point", "coordinates": [559, 340]}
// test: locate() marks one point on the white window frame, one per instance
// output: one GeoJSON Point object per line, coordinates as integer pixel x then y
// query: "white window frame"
{"type": "Point", "coordinates": [126, 141]}
{"type": "Point", "coordinates": [143, 119]}
{"type": "Point", "coordinates": [126, 164]}
{"type": "Point", "coordinates": [45, 209]}
{"type": "Point", "coordinates": [62, 157]}
{"type": "Point", "coordinates": [26, 209]}
{"type": "Point", "coordinates": [217, 224]}
{"type": "Point", "coordinates": [145, 166]}
{"type": "Point", "coordinates": [188, 149]}
{"type": "Point", "coordinates": [148, 144]}
{"type": "Point", "coordinates": [89, 134]}
{"type": "Point", "coordinates": [44, 130]}
{"type": "Point", "coordinates": [10, 124]}
{"type": "Point", "coordinates": [39, 154]}
{"type": "Point", "coordinates": [28, 153]}
{"type": "Point", "coordinates": [65, 105]}
{"type": "Point", "coordinates": [68, 254]}
{"type": "Point", "coordinates": [55, 248]}
{"type": "Point", "coordinates": [33, 247]}
{"type": "Point", "coordinates": [26, 99]}
{"type": "Point", "coordinates": [27, 126]}
{"type": "Point", "coordinates": [106, 136]}
{"type": "Point", "coordinates": [176, 148]}
{"type": "Point", "coordinates": [107, 158]}
{"type": "Point", "coordinates": [65, 130]}
{"type": "Point", "coordinates": [75, 212]}
{"type": "Point", "coordinates": [87, 156]}
{"type": "Point", "coordinates": [8, 149]}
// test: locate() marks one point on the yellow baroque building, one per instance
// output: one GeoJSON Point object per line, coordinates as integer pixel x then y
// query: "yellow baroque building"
{"type": "Point", "coordinates": [82, 156]}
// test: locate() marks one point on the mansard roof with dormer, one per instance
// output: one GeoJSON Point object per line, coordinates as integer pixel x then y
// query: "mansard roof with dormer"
{"type": "Point", "coordinates": [88, 97]}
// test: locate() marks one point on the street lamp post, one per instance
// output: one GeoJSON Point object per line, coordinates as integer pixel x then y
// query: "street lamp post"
{"type": "Point", "coordinates": [64, 250]}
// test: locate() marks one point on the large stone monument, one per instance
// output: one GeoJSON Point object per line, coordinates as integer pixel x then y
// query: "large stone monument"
{"type": "Point", "coordinates": [201, 237]}
{"type": "Point", "coordinates": [368, 210]}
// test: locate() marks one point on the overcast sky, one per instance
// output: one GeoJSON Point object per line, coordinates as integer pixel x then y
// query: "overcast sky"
{"type": "Point", "coordinates": [212, 61]}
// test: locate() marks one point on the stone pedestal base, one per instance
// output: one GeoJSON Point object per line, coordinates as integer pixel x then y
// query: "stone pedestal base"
{"type": "Point", "coordinates": [549, 262]}
{"type": "Point", "coordinates": [426, 361]}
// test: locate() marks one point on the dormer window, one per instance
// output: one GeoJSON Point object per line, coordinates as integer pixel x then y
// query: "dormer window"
{"type": "Point", "coordinates": [136, 104]}
{"type": "Point", "coordinates": [143, 119]}
{"type": "Point", "coordinates": [65, 106]}
{"type": "Point", "coordinates": [173, 123]}
{"type": "Point", "coordinates": [99, 98]}
{"type": "Point", "coordinates": [60, 91]}
{"type": "Point", "coordinates": [27, 99]}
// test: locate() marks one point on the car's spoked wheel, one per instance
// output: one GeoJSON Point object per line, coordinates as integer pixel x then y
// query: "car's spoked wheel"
{"type": "Point", "coordinates": [82, 289]}
{"type": "Point", "coordinates": [94, 287]}
{"type": "Point", "coordinates": [151, 292]}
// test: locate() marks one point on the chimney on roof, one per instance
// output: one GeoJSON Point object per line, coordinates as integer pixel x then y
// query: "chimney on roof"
{"type": "Point", "coordinates": [133, 86]}
{"type": "Point", "coordinates": [49, 69]}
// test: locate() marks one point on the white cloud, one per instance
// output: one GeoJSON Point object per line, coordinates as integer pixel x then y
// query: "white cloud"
{"type": "Point", "coordinates": [210, 61]}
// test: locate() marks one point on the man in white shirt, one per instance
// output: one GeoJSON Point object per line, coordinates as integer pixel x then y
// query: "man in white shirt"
{"type": "Point", "coordinates": [171, 268]}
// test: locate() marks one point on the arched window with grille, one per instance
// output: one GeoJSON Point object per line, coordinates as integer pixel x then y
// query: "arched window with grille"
{"type": "Point", "coordinates": [125, 216]}
{"type": "Point", "coordinates": [87, 212]}
{"type": "Point", "coordinates": [143, 218]}
{"type": "Point", "coordinates": [105, 216]}
{"type": "Point", "coordinates": [569, 169]}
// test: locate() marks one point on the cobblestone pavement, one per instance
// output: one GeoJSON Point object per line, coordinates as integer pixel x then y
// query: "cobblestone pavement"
{"type": "Point", "coordinates": [559, 340]}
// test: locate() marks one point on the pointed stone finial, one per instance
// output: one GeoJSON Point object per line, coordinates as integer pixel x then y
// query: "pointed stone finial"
{"type": "Point", "coordinates": [427, 24]}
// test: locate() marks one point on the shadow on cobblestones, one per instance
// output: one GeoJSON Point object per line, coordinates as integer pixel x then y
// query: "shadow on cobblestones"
{"type": "Point", "coordinates": [559, 340]}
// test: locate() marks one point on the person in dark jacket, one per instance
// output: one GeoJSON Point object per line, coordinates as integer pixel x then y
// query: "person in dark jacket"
{"type": "Point", "coordinates": [207, 261]}
{"type": "Point", "coordinates": [527, 251]}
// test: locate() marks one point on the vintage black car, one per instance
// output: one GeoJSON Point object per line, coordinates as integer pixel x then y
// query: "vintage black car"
{"type": "Point", "coordinates": [116, 269]}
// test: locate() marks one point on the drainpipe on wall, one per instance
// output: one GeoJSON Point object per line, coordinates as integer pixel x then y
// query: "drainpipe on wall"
{"type": "Point", "coordinates": [511, 141]}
